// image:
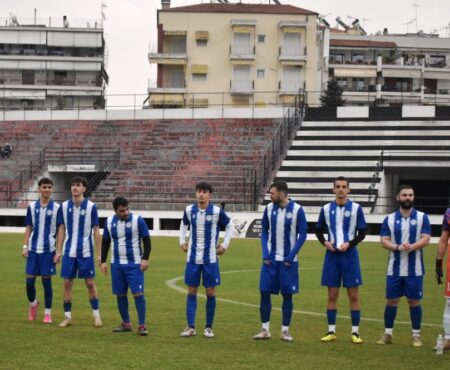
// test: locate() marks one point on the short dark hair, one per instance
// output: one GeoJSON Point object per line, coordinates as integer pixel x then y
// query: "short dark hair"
{"type": "Point", "coordinates": [341, 178]}
{"type": "Point", "coordinates": [119, 202]}
{"type": "Point", "coordinates": [280, 186]}
{"type": "Point", "coordinates": [46, 181]}
{"type": "Point", "coordinates": [79, 180]}
{"type": "Point", "coordinates": [404, 187]}
{"type": "Point", "coordinates": [204, 186]}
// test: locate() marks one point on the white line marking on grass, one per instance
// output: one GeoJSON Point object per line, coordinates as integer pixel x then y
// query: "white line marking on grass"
{"type": "Point", "coordinates": [172, 283]}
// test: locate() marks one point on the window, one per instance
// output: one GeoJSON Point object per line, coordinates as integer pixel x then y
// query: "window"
{"type": "Point", "coordinates": [202, 43]}
{"type": "Point", "coordinates": [437, 61]}
{"type": "Point", "coordinates": [199, 77]}
{"type": "Point", "coordinates": [28, 77]}
{"type": "Point", "coordinates": [357, 58]}
{"type": "Point", "coordinates": [261, 38]}
{"type": "Point", "coordinates": [261, 73]}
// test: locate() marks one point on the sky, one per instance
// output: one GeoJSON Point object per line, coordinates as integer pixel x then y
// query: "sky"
{"type": "Point", "coordinates": [130, 27]}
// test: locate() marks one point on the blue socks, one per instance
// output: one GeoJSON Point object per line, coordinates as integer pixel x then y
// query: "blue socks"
{"type": "Point", "coordinates": [210, 310]}
{"type": "Point", "coordinates": [331, 316]}
{"type": "Point", "coordinates": [140, 308]}
{"type": "Point", "coordinates": [416, 316]}
{"type": "Point", "coordinates": [31, 289]}
{"type": "Point", "coordinates": [356, 317]}
{"type": "Point", "coordinates": [67, 306]}
{"type": "Point", "coordinates": [389, 316]}
{"type": "Point", "coordinates": [286, 308]}
{"type": "Point", "coordinates": [191, 308]}
{"type": "Point", "coordinates": [122, 305]}
{"type": "Point", "coordinates": [265, 307]}
{"type": "Point", "coordinates": [48, 292]}
{"type": "Point", "coordinates": [94, 303]}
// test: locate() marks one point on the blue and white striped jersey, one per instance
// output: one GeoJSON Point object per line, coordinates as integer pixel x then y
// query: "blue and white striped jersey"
{"type": "Point", "coordinates": [205, 227]}
{"type": "Point", "coordinates": [342, 222]}
{"type": "Point", "coordinates": [406, 230]}
{"type": "Point", "coordinates": [126, 238]}
{"type": "Point", "coordinates": [43, 223]}
{"type": "Point", "coordinates": [79, 221]}
{"type": "Point", "coordinates": [283, 231]}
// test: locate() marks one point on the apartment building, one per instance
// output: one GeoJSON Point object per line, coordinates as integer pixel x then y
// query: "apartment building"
{"type": "Point", "coordinates": [223, 54]}
{"type": "Point", "coordinates": [44, 66]}
{"type": "Point", "coordinates": [391, 69]}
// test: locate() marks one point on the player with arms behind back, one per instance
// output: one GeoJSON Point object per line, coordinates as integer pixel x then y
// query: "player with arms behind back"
{"type": "Point", "coordinates": [39, 248]}
{"type": "Point", "coordinates": [404, 233]}
{"type": "Point", "coordinates": [205, 220]}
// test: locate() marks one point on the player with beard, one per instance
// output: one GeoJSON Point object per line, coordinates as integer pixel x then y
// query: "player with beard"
{"type": "Point", "coordinates": [404, 233]}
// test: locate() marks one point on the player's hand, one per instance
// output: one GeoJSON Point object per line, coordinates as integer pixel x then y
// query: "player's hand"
{"type": "Point", "coordinates": [267, 262]}
{"type": "Point", "coordinates": [184, 247]}
{"type": "Point", "coordinates": [329, 246]}
{"type": "Point", "coordinates": [407, 247]}
{"type": "Point", "coordinates": [57, 257]}
{"type": "Point", "coordinates": [343, 247]}
{"type": "Point", "coordinates": [439, 272]}
{"type": "Point", "coordinates": [288, 263]}
{"type": "Point", "coordinates": [220, 250]}
{"type": "Point", "coordinates": [25, 252]}
{"type": "Point", "coordinates": [144, 265]}
{"type": "Point", "coordinates": [104, 268]}
{"type": "Point", "coordinates": [99, 261]}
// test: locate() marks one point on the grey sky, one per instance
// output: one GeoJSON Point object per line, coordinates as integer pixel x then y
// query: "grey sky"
{"type": "Point", "coordinates": [130, 26]}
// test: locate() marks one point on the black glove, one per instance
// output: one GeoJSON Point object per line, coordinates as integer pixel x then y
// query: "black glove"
{"type": "Point", "coordinates": [439, 272]}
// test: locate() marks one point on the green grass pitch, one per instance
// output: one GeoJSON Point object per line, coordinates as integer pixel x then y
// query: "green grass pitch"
{"type": "Point", "coordinates": [33, 345]}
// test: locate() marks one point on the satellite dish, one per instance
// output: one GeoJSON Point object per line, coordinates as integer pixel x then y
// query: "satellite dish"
{"type": "Point", "coordinates": [14, 21]}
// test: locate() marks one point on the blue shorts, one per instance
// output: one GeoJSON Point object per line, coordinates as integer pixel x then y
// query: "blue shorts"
{"type": "Point", "coordinates": [124, 276]}
{"type": "Point", "coordinates": [209, 272]}
{"type": "Point", "coordinates": [341, 268]}
{"type": "Point", "coordinates": [277, 277]}
{"type": "Point", "coordinates": [409, 286]}
{"type": "Point", "coordinates": [40, 264]}
{"type": "Point", "coordinates": [83, 265]}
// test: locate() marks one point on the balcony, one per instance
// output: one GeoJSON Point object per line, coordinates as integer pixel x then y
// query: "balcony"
{"type": "Point", "coordinates": [169, 85]}
{"type": "Point", "coordinates": [242, 87]}
{"type": "Point", "coordinates": [289, 87]}
{"type": "Point", "coordinates": [287, 55]}
{"type": "Point", "coordinates": [242, 53]}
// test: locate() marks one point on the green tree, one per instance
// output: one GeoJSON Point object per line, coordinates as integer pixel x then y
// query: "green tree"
{"type": "Point", "coordinates": [332, 96]}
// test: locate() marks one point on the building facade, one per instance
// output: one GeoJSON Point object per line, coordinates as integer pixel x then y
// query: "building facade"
{"type": "Point", "coordinates": [43, 67]}
{"type": "Point", "coordinates": [212, 55]}
{"type": "Point", "coordinates": [390, 69]}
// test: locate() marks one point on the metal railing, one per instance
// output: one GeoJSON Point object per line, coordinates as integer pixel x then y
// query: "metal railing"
{"type": "Point", "coordinates": [375, 180]}
{"type": "Point", "coordinates": [104, 160]}
{"type": "Point", "coordinates": [265, 170]}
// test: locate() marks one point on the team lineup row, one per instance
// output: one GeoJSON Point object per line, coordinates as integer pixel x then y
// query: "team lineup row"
{"type": "Point", "coordinates": [69, 232]}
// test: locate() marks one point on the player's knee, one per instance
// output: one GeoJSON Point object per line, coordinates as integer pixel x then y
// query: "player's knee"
{"type": "Point", "coordinates": [137, 295]}
{"type": "Point", "coordinates": [333, 296]}
{"type": "Point", "coordinates": [210, 292]}
{"type": "Point", "coordinates": [413, 302]}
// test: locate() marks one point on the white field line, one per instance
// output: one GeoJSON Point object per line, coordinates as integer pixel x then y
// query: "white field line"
{"type": "Point", "coordinates": [172, 283]}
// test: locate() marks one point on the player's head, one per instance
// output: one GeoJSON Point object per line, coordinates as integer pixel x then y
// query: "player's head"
{"type": "Point", "coordinates": [78, 185]}
{"type": "Point", "coordinates": [121, 208]}
{"type": "Point", "coordinates": [341, 187]}
{"type": "Point", "coordinates": [45, 186]}
{"type": "Point", "coordinates": [203, 192]}
{"type": "Point", "coordinates": [405, 196]}
{"type": "Point", "coordinates": [278, 191]}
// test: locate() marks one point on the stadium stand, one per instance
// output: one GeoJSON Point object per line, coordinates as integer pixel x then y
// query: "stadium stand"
{"type": "Point", "coordinates": [363, 151]}
{"type": "Point", "coordinates": [160, 160]}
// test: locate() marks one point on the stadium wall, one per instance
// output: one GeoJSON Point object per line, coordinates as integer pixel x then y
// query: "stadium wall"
{"type": "Point", "coordinates": [245, 224]}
